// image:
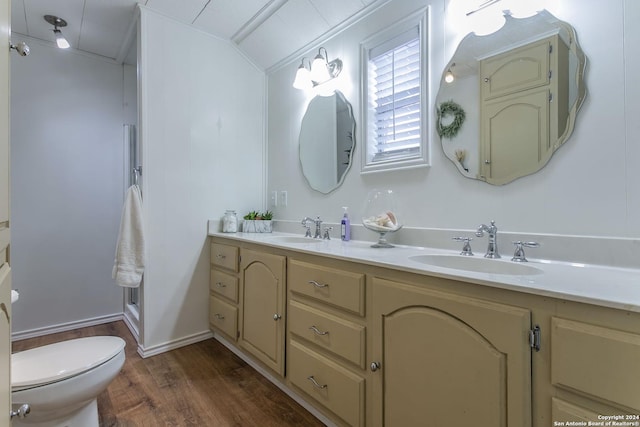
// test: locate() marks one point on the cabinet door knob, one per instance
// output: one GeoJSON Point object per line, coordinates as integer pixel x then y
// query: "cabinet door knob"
{"type": "Point", "coordinates": [375, 366]}
{"type": "Point", "coordinates": [277, 317]}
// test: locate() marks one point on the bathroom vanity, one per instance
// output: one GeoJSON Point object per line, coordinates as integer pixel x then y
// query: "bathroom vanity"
{"type": "Point", "coordinates": [372, 337]}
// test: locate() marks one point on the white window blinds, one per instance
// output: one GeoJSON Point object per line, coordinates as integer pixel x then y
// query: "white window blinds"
{"type": "Point", "coordinates": [395, 96]}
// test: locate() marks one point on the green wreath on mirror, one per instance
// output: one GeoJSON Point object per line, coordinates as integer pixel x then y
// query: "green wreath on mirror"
{"type": "Point", "coordinates": [446, 109]}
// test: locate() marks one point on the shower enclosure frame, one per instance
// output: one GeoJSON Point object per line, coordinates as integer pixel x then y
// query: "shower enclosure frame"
{"type": "Point", "coordinates": [132, 176]}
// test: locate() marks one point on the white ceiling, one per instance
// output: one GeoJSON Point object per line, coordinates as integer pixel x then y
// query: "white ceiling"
{"type": "Point", "coordinates": [266, 30]}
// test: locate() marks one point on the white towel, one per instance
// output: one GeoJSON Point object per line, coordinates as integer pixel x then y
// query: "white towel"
{"type": "Point", "coordinates": [129, 263]}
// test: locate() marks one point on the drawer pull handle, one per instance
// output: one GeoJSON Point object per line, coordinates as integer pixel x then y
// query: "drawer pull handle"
{"type": "Point", "coordinates": [277, 317]}
{"type": "Point", "coordinates": [315, 383]}
{"type": "Point", "coordinates": [220, 256]}
{"type": "Point", "coordinates": [318, 331]}
{"type": "Point", "coordinates": [219, 316]}
{"type": "Point", "coordinates": [221, 285]}
{"type": "Point", "coordinates": [318, 285]}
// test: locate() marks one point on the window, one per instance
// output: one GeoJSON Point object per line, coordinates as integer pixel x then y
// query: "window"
{"type": "Point", "coordinates": [394, 94]}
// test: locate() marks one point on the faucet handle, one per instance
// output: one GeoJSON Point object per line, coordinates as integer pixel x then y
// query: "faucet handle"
{"type": "Point", "coordinates": [466, 248]}
{"type": "Point", "coordinates": [518, 255]}
{"type": "Point", "coordinates": [306, 226]}
{"type": "Point", "coordinates": [326, 235]}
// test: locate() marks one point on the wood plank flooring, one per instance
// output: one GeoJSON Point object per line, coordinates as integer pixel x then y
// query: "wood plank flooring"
{"type": "Point", "coordinates": [203, 384]}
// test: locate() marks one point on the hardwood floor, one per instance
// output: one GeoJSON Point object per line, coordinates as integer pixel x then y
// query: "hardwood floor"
{"type": "Point", "coordinates": [202, 385]}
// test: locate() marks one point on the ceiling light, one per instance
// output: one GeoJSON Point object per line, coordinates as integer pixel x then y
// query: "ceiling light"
{"type": "Point", "coordinates": [58, 22]}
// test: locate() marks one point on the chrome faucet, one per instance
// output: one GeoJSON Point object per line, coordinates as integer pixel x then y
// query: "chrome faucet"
{"type": "Point", "coordinates": [318, 230]}
{"type": "Point", "coordinates": [492, 231]}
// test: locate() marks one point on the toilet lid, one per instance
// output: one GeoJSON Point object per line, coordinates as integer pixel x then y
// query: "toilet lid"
{"type": "Point", "coordinates": [62, 360]}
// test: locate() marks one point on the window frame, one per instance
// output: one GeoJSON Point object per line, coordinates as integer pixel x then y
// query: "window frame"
{"type": "Point", "coordinates": [419, 20]}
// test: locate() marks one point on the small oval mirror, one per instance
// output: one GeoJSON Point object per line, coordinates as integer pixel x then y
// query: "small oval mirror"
{"type": "Point", "coordinates": [327, 141]}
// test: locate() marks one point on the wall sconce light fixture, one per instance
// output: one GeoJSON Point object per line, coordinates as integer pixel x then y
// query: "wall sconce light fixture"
{"type": "Point", "coordinates": [319, 71]}
{"type": "Point", "coordinates": [449, 77]}
{"type": "Point", "coordinates": [58, 22]}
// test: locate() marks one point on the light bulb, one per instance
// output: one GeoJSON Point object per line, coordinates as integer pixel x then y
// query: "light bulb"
{"type": "Point", "coordinates": [303, 78]}
{"type": "Point", "coordinates": [60, 40]}
{"type": "Point", "coordinates": [449, 77]}
{"type": "Point", "coordinates": [319, 71]}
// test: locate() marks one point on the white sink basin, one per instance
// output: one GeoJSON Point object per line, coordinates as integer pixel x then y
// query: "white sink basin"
{"type": "Point", "coordinates": [478, 265]}
{"type": "Point", "coordinates": [294, 239]}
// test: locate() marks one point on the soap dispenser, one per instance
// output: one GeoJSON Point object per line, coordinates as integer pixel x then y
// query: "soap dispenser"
{"type": "Point", "coordinates": [345, 226]}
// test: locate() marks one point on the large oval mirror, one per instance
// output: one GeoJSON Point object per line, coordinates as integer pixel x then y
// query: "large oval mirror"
{"type": "Point", "coordinates": [509, 100]}
{"type": "Point", "coordinates": [327, 141]}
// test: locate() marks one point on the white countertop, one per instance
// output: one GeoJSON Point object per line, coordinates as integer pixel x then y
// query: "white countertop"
{"type": "Point", "coordinates": [594, 284]}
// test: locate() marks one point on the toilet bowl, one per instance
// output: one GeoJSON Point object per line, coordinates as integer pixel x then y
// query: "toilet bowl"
{"type": "Point", "coordinates": [61, 381]}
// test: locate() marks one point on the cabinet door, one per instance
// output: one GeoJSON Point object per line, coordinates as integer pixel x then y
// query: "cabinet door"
{"type": "Point", "coordinates": [447, 360]}
{"type": "Point", "coordinates": [5, 340]}
{"type": "Point", "coordinates": [516, 70]}
{"type": "Point", "coordinates": [515, 136]}
{"type": "Point", "coordinates": [262, 305]}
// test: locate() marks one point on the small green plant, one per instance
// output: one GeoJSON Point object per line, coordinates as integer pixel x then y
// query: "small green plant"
{"type": "Point", "coordinates": [251, 215]}
{"type": "Point", "coordinates": [257, 216]}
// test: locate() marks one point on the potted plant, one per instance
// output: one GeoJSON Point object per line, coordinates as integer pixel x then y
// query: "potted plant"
{"type": "Point", "coordinates": [258, 222]}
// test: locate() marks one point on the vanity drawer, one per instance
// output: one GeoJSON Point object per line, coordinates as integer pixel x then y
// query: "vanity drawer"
{"type": "Point", "coordinates": [595, 360]}
{"type": "Point", "coordinates": [340, 288]}
{"type": "Point", "coordinates": [224, 284]}
{"type": "Point", "coordinates": [225, 256]}
{"type": "Point", "coordinates": [338, 389]}
{"type": "Point", "coordinates": [339, 336]}
{"type": "Point", "coordinates": [224, 317]}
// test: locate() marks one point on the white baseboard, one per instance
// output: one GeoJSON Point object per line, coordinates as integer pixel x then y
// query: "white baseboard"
{"type": "Point", "coordinates": [172, 345]}
{"type": "Point", "coordinates": [288, 391]}
{"type": "Point", "coordinates": [63, 327]}
{"type": "Point", "coordinates": [132, 324]}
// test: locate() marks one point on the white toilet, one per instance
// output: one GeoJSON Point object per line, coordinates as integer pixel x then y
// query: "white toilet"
{"type": "Point", "coordinates": [61, 381]}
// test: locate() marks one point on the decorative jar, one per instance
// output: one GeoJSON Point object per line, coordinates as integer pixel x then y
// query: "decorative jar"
{"type": "Point", "coordinates": [229, 222]}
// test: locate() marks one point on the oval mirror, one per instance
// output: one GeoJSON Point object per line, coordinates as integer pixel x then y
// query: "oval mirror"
{"type": "Point", "coordinates": [327, 141]}
{"type": "Point", "coordinates": [509, 100]}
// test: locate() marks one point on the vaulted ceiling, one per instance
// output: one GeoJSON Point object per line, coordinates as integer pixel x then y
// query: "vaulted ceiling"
{"type": "Point", "coordinates": [265, 30]}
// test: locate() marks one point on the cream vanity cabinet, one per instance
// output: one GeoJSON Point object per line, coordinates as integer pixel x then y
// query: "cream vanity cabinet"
{"type": "Point", "coordinates": [524, 108]}
{"type": "Point", "coordinates": [223, 289]}
{"type": "Point", "coordinates": [368, 345]}
{"type": "Point", "coordinates": [444, 359]}
{"type": "Point", "coordinates": [262, 325]}
{"type": "Point", "coordinates": [247, 300]}
{"type": "Point", "coordinates": [326, 347]}
{"type": "Point", "coordinates": [595, 364]}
